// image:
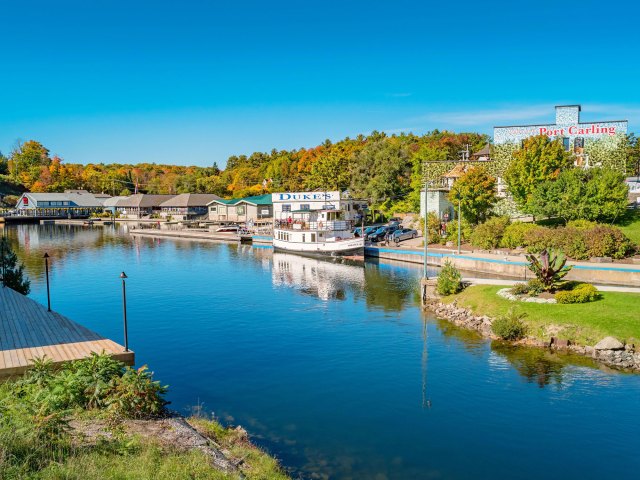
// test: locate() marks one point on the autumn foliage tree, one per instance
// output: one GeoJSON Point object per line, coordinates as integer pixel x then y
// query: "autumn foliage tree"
{"type": "Point", "coordinates": [475, 190]}
{"type": "Point", "coordinates": [539, 159]}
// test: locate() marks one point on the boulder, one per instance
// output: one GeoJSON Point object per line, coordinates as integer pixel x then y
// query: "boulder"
{"type": "Point", "coordinates": [609, 343]}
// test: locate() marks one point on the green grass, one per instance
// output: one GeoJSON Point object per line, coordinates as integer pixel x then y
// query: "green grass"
{"type": "Point", "coordinates": [38, 441]}
{"type": "Point", "coordinates": [615, 314]}
{"type": "Point", "coordinates": [630, 225]}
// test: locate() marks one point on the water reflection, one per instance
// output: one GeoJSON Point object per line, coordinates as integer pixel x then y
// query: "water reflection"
{"type": "Point", "coordinates": [323, 278]}
{"type": "Point", "coordinates": [537, 365]}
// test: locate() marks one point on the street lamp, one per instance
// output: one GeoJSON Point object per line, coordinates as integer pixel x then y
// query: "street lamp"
{"type": "Point", "coordinates": [123, 276]}
{"type": "Point", "coordinates": [46, 271]}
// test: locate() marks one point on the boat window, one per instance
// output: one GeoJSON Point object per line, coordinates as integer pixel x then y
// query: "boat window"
{"type": "Point", "coordinates": [303, 239]}
{"type": "Point", "coordinates": [313, 237]}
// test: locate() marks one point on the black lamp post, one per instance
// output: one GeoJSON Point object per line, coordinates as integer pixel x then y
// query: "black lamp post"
{"type": "Point", "coordinates": [46, 271]}
{"type": "Point", "coordinates": [123, 276]}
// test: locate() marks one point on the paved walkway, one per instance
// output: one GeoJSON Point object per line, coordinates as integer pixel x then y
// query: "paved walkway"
{"type": "Point", "coordinates": [29, 331]}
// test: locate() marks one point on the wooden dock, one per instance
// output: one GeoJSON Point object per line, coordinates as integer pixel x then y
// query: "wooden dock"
{"type": "Point", "coordinates": [28, 331]}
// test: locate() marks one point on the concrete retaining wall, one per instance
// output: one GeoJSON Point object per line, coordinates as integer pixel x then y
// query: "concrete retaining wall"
{"type": "Point", "coordinates": [628, 275]}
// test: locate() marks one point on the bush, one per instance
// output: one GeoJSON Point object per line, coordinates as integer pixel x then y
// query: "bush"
{"type": "Point", "coordinates": [581, 224]}
{"type": "Point", "coordinates": [514, 234]}
{"type": "Point", "coordinates": [606, 241]}
{"type": "Point", "coordinates": [520, 289]}
{"type": "Point", "coordinates": [488, 235]}
{"type": "Point", "coordinates": [449, 279]}
{"type": "Point", "coordinates": [582, 293]}
{"type": "Point", "coordinates": [535, 287]}
{"type": "Point", "coordinates": [510, 326]}
{"type": "Point", "coordinates": [572, 241]}
{"type": "Point", "coordinates": [538, 239]}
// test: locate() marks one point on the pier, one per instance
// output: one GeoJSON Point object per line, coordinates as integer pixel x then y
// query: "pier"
{"type": "Point", "coordinates": [29, 331]}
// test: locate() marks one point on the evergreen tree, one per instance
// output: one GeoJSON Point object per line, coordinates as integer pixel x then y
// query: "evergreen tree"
{"type": "Point", "coordinates": [12, 270]}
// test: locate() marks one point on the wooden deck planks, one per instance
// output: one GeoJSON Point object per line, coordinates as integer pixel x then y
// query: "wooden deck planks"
{"type": "Point", "coordinates": [29, 331]}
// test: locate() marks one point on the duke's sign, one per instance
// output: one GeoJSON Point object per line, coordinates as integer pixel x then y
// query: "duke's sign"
{"type": "Point", "coordinates": [305, 196]}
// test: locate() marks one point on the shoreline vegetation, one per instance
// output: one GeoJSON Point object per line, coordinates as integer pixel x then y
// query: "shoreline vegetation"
{"type": "Point", "coordinates": [95, 419]}
{"type": "Point", "coordinates": [607, 329]}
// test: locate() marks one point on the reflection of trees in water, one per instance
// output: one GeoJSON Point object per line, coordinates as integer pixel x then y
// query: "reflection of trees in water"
{"type": "Point", "coordinates": [390, 289]}
{"type": "Point", "coordinates": [59, 241]}
{"type": "Point", "coordinates": [535, 364]}
{"type": "Point", "coordinates": [540, 365]}
{"type": "Point", "coordinates": [469, 339]}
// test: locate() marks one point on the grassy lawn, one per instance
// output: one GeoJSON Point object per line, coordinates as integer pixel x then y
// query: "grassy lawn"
{"type": "Point", "coordinates": [615, 314]}
{"type": "Point", "coordinates": [630, 225]}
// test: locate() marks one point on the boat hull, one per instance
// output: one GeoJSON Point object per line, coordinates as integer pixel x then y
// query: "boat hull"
{"type": "Point", "coordinates": [353, 246]}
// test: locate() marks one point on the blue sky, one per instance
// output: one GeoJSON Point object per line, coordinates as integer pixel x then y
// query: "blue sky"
{"type": "Point", "coordinates": [193, 82]}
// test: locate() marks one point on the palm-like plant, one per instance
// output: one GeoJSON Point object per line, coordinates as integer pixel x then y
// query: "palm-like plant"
{"type": "Point", "coordinates": [550, 269]}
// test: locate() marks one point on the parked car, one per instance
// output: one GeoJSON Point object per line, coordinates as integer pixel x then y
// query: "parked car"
{"type": "Point", "coordinates": [379, 234]}
{"type": "Point", "coordinates": [404, 234]}
{"type": "Point", "coordinates": [367, 230]}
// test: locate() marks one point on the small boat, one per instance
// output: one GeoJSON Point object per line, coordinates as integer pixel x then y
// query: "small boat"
{"type": "Point", "coordinates": [232, 229]}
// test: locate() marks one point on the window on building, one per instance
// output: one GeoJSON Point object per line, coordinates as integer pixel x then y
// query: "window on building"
{"type": "Point", "coordinates": [213, 209]}
{"type": "Point", "coordinates": [305, 206]}
{"type": "Point", "coordinates": [286, 207]}
{"type": "Point", "coordinates": [578, 142]}
{"type": "Point", "coordinates": [565, 143]}
{"type": "Point", "coordinates": [240, 209]}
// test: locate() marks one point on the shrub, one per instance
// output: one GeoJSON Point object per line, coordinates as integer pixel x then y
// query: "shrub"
{"type": "Point", "coordinates": [514, 234]}
{"type": "Point", "coordinates": [572, 241]}
{"type": "Point", "coordinates": [538, 239]}
{"type": "Point", "coordinates": [510, 326]}
{"type": "Point", "coordinates": [581, 224]}
{"type": "Point", "coordinates": [583, 293]}
{"type": "Point", "coordinates": [488, 235]}
{"type": "Point", "coordinates": [535, 287]}
{"type": "Point", "coordinates": [606, 241]}
{"type": "Point", "coordinates": [449, 279]}
{"type": "Point", "coordinates": [520, 289]}
{"type": "Point", "coordinates": [136, 395]}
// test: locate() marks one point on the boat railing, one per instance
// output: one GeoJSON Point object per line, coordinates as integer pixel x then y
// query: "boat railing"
{"type": "Point", "coordinates": [334, 225]}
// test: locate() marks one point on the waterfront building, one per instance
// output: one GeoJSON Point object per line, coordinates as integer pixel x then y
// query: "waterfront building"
{"type": "Point", "coordinates": [187, 206]}
{"type": "Point", "coordinates": [71, 203]}
{"type": "Point", "coordinates": [141, 205]}
{"type": "Point", "coordinates": [109, 204]}
{"type": "Point", "coordinates": [285, 203]}
{"type": "Point", "coordinates": [249, 210]}
{"type": "Point", "coordinates": [592, 143]}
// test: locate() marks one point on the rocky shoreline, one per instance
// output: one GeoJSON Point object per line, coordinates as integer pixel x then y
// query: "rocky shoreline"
{"type": "Point", "coordinates": [608, 351]}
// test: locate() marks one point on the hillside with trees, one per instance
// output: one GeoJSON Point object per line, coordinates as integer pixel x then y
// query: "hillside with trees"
{"type": "Point", "coordinates": [386, 169]}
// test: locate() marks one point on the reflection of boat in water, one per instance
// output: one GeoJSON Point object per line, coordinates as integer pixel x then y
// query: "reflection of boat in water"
{"type": "Point", "coordinates": [316, 276]}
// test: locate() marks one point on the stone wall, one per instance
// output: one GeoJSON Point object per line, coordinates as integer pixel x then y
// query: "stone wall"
{"type": "Point", "coordinates": [608, 351]}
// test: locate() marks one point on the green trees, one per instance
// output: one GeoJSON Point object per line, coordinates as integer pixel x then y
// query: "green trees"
{"type": "Point", "coordinates": [476, 191]}
{"type": "Point", "coordinates": [596, 194]}
{"type": "Point", "coordinates": [540, 159]}
{"type": "Point", "coordinates": [12, 271]}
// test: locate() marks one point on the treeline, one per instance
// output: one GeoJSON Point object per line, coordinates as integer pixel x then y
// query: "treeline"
{"type": "Point", "coordinates": [386, 169]}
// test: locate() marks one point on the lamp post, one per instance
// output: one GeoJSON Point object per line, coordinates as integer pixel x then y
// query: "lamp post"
{"type": "Point", "coordinates": [459, 222]}
{"type": "Point", "coordinates": [46, 273]}
{"type": "Point", "coordinates": [123, 276]}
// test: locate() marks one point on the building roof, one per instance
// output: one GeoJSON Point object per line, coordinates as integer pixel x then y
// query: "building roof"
{"type": "Point", "coordinates": [84, 199]}
{"type": "Point", "coordinates": [255, 200]}
{"type": "Point", "coordinates": [190, 200]}
{"type": "Point", "coordinates": [142, 200]}
{"type": "Point", "coordinates": [483, 152]}
{"type": "Point", "coordinates": [456, 172]}
{"type": "Point", "coordinates": [112, 201]}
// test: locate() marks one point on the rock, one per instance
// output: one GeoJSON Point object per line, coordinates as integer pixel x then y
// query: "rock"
{"type": "Point", "coordinates": [609, 343]}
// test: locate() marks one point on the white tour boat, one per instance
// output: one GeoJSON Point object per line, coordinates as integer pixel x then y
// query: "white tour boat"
{"type": "Point", "coordinates": [318, 232]}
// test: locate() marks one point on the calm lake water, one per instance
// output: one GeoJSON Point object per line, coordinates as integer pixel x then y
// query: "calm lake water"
{"type": "Point", "coordinates": [334, 368]}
